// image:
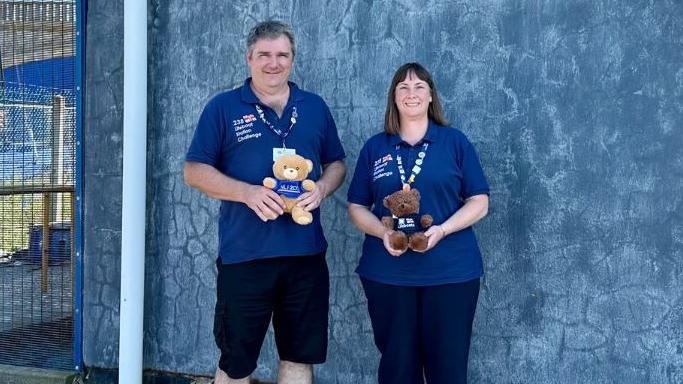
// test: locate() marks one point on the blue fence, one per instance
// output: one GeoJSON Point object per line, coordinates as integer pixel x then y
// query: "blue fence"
{"type": "Point", "coordinates": [38, 123]}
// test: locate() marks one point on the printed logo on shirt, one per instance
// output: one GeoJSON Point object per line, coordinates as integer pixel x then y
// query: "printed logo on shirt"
{"type": "Point", "coordinates": [405, 223]}
{"type": "Point", "coordinates": [291, 189]}
{"type": "Point", "coordinates": [379, 167]}
{"type": "Point", "coordinates": [244, 128]}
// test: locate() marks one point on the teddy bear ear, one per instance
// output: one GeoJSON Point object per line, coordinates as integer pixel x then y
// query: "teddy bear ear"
{"type": "Point", "coordinates": [309, 163]}
{"type": "Point", "coordinates": [276, 167]}
{"type": "Point", "coordinates": [385, 202]}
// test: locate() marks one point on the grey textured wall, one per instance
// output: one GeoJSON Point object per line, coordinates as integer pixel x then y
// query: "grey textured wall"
{"type": "Point", "coordinates": [103, 155]}
{"type": "Point", "coordinates": [576, 108]}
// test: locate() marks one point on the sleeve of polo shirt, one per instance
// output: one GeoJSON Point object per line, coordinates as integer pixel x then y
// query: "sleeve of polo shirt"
{"type": "Point", "coordinates": [360, 190]}
{"type": "Point", "coordinates": [332, 147]}
{"type": "Point", "coordinates": [208, 136]}
{"type": "Point", "coordinates": [474, 182]}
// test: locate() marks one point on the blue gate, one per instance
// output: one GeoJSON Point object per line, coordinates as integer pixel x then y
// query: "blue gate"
{"type": "Point", "coordinates": [40, 168]}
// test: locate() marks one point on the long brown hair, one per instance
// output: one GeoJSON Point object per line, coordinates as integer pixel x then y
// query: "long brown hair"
{"type": "Point", "coordinates": [392, 123]}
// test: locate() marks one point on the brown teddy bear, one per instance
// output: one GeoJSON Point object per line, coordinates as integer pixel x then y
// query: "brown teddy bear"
{"type": "Point", "coordinates": [290, 182]}
{"type": "Point", "coordinates": [406, 222]}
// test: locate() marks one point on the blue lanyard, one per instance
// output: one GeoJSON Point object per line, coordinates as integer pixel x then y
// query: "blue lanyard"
{"type": "Point", "coordinates": [416, 168]}
{"type": "Point", "coordinates": [279, 132]}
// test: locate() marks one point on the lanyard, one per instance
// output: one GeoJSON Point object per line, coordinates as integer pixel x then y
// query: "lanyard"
{"type": "Point", "coordinates": [279, 132]}
{"type": "Point", "coordinates": [416, 168]}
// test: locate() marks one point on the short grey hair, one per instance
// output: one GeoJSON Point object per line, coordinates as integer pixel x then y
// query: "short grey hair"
{"type": "Point", "coordinates": [271, 29]}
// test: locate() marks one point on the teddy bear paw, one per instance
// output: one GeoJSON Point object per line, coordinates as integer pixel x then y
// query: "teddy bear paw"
{"type": "Point", "coordinates": [418, 242]}
{"type": "Point", "coordinates": [304, 220]}
{"type": "Point", "coordinates": [302, 217]}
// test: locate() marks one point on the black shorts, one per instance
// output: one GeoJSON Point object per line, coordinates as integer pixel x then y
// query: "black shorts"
{"type": "Point", "coordinates": [293, 290]}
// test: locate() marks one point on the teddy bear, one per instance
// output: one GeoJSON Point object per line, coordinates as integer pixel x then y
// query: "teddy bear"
{"type": "Point", "coordinates": [406, 221]}
{"type": "Point", "coordinates": [290, 182]}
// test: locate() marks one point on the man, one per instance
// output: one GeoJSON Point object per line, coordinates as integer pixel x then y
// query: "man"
{"type": "Point", "coordinates": [268, 265]}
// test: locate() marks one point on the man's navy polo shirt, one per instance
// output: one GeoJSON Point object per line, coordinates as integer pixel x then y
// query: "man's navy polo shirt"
{"type": "Point", "coordinates": [450, 173]}
{"type": "Point", "coordinates": [231, 137]}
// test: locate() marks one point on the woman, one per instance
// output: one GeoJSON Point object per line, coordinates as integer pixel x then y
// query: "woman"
{"type": "Point", "coordinates": [421, 304]}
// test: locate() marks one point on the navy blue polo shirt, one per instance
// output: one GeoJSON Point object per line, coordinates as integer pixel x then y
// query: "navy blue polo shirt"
{"type": "Point", "coordinates": [450, 173]}
{"type": "Point", "coordinates": [231, 137]}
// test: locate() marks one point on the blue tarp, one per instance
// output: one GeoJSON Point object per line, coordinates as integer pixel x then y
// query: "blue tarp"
{"type": "Point", "coordinates": [51, 73]}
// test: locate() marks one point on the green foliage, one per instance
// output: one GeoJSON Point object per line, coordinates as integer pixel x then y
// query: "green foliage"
{"type": "Point", "coordinates": [19, 212]}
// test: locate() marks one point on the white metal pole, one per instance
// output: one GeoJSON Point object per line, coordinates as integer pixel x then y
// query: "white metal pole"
{"type": "Point", "coordinates": [134, 190]}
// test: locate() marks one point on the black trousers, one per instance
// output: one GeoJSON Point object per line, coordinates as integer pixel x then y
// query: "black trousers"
{"type": "Point", "coordinates": [423, 333]}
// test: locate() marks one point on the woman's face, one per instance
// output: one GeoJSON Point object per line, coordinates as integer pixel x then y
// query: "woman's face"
{"type": "Point", "coordinates": [412, 97]}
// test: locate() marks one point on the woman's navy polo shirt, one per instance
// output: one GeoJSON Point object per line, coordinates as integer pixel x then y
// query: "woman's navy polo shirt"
{"type": "Point", "coordinates": [450, 173]}
{"type": "Point", "coordinates": [231, 137]}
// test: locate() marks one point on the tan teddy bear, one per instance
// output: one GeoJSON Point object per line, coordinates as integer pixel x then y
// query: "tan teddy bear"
{"type": "Point", "coordinates": [290, 182]}
{"type": "Point", "coordinates": [406, 222]}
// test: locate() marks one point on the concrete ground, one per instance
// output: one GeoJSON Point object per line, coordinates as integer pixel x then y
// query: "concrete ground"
{"type": "Point", "coordinates": [24, 375]}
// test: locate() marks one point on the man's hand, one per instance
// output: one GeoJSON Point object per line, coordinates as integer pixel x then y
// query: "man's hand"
{"type": "Point", "coordinates": [331, 179]}
{"type": "Point", "coordinates": [312, 199]}
{"type": "Point", "coordinates": [264, 202]}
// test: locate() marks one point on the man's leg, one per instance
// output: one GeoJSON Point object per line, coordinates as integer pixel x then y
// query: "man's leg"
{"type": "Point", "coordinates": [245, 296]}
{"type": "Point", "coordinates": [294, 373]}
{"type": "Point", "coordinates": [222, 378]}
{"type": "Point", "coordinates": [300, 318]}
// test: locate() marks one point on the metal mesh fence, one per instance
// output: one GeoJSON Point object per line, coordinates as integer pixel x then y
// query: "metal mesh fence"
{"type": "Point", "coordinates": [37, 180]}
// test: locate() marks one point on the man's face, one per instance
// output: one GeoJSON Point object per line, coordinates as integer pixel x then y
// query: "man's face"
{"type": "Point", "coordinates": [270, 62]}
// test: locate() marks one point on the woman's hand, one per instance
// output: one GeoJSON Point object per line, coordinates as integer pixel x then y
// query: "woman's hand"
{"type": "Point", "coordinates": [434, 234]}
{"type": "Point", "coordinates": [371, 225]}
{"type": "Point", "coordinates": [387, 244]}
